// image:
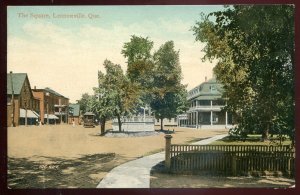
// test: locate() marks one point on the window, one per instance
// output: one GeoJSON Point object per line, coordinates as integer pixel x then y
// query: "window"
{"type": "Point", "coordinates": [204, 102]}
{"type": "Point", "coordinates": [212, 88]}
{"type": "Point", "coordinates": [215, 118]}
{"type": "Point", "coordinates": [157, 120]}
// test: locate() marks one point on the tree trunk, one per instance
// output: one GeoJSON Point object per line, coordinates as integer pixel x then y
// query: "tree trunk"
{"type": "Point", "coordinates": [161, 124]}
{"type": "Point", "coordinates": [103, 120]}
{"type": "Point", "coordinates": [119, 122]}
{"type": "Point", "coordinates": [265, 133]}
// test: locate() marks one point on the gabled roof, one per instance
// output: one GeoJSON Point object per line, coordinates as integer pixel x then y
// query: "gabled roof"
{"type": "Point", "coordinates": [75, 109]}
{"type": "Point", "coordinates": [54, 92]}
{"type": "Point", "coordinates": [17, 79]}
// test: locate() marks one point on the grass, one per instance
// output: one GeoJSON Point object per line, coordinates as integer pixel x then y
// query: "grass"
{"type": "Point", "coordinates": [251, 140]}
{"type": "Point", "coordinates": [195, 140]}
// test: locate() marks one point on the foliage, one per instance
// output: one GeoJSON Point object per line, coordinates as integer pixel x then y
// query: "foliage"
{"type": "Point", "coordinates": [255, 48]}
{"type": "Point", "coordinates": [169, 95]}
{"type": "Point", "coordinates": [138, 49]}
{"type": "Point", "coordinates": [84, 102]}
{"type": "Point", "coordinates": [117, 96]}
{"type": "Point", "coordinates": [140, 67]}
{"type": "Point", "coordinates": [157, 76]}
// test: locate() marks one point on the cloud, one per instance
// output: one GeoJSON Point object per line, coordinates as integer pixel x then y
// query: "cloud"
{"type": "Point", "coordinates": [48, 32]}
{"type": "Point", "coordinates": [67, 60]}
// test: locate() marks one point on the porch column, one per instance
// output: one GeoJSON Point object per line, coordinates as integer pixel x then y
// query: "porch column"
{"type": "Point", "coordinates": [197, 119]}
{"type": "Point", "coordinates": [211, 113]}
{"type": "Point", "coordinates": [192, 118]}
{"type": "Point", "coordinates": [226, 119]}
{"type": "Point", "coordinates": [226, 116]}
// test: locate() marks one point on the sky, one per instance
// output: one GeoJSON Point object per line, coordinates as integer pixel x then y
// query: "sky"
{"type": "Point", "coordinates": [66, 53]}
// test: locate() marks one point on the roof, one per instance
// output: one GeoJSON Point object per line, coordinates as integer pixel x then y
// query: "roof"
{"type": "Point", "coordinates": [54, 92]}
{"type": "Point", "coordinates": [75, 109]}
{"type": "Point", "coordinates": [209, 97]}
{"type": "Point", "coordinates": [51, 116]}
{"type": "Point", "coordinates": [209, 88]}
{"type": "Point", "coordinates": [89, 113]}
{"type": "Point", "coordinates": [18, 80]}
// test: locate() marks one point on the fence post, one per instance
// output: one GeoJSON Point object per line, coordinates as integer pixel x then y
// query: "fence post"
{"type": "Point", "coordinates": [289, 166]}
{"type": "Point", "coordinates": [168, 152]}
{"type": "Point", "coordinates": [233, 164]}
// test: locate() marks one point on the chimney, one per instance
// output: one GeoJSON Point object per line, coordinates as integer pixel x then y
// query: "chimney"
{"type": "Point", "coordinates": [34, 87]}
{"type": "Point", "coordinates": [205, 79]}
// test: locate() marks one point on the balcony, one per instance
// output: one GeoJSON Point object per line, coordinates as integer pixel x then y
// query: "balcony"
{"type": "Point", "coordinates": [206, 108]}
{"type": "Point", "coordinates": [182, 116]}
{"type": "Point", "coordinates": [60, 105]}
{"type": "Point", "coordinates": [60, 113]}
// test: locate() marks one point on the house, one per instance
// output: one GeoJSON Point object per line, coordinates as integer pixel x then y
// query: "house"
{"type": "Point", "coordinates": [206, 105]}
{"type": "Point", "coordinates": [54, 107]}
{"type": "Point", "coordinates": [22, 107]}
{"type": "Point", "coordinates": [74, 114]}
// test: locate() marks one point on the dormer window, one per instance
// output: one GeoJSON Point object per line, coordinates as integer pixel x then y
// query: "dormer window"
{"type": "Point", "coordinates": [212, 88]}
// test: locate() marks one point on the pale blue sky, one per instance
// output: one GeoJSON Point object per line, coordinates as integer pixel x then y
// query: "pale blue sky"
{"type": "Point", "coordinates": [62, 49]}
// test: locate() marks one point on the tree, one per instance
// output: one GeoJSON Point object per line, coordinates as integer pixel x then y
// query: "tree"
{"type": "Point", "coordinates": [140, 66]}
{"type": "Point", "coordinates": [138, 49]}
{"type": "Point", "coordinates": [255, 48]}
{"type": "Point", "coordinates": [169, 95]}
{"type": "Point", "coordinates": [158, 76]}
{"type": "Point", "coordinates": [84, 102]}
{"type": "Point", "coordinates": [117, 95]}
{"type": "Point", "coordinates": [102, 102]}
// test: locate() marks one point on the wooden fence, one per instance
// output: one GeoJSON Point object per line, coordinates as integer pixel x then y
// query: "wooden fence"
{"type": "Point", "coordinates": [231, 159]}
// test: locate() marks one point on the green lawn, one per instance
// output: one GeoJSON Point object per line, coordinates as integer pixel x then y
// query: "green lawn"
{"type": "Point", "coordinates": [251, 140]}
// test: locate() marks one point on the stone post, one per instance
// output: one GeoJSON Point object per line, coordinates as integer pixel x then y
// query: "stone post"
{"type": "Point", "coordinates": [168, 138]}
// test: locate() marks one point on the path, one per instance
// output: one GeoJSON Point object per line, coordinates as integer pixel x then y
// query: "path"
{"type": "Point", "coordinates": [136, 173]}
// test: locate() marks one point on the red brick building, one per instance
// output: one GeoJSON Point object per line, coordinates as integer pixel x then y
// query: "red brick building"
{"type": "Point", "coordinates": [53, 106]}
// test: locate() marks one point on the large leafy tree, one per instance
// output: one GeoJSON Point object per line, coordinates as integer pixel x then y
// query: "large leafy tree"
{"type": "Point", "coordinates": [255, 48]}
{"type": "Point", "coordinates": [169, 95]}
{"type": "Point", "coordinates": [137, 49]}
{"type": "Point", "coordinates": [140, 66]}
{"type": "Point", "coordinates": [158, 76]}
{"type": "Point", "coordinates": [117, 96]}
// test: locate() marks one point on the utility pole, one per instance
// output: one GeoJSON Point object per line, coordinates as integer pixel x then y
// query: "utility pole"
{"type": "Point", "coordinates": [12, 100]}
{"type": "Point", "coordinates": [25, 104]}
{"type": "Point", "coordinates": [25, 101]}
{"type": "Point", "coordinates": [47, 99]}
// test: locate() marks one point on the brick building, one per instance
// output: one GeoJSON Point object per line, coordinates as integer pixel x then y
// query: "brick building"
{"type": "Point", "coordinates": [22, 106]}
{"type": "Point", "coordinates": [54, 107]}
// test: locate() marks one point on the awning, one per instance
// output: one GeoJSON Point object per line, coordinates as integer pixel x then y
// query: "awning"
{"type": "Point", "coordinates": [30, 114]}
{"type": "Point", "coordinates": [51, 116]}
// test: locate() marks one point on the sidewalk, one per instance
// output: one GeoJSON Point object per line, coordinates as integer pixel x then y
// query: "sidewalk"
{"type": "Point", "coordinates": [136, 173]}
